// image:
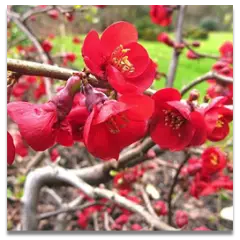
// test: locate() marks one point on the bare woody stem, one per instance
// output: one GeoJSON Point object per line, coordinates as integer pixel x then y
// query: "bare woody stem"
{"type": "Point", "coordinates": [48, 176]}
{"type": "Point", "coordinates": [200, 55]}
{"type": "Point", "coordinates": [43, 56]}
{"type": "Point", "coordinates": [175, 56]}
{"type": "Point", "coordinates": [209, 75]}
{"type": "Point", "coordinates": [175, 180]}
{"type": "Point", "coordinates": [38, 69]}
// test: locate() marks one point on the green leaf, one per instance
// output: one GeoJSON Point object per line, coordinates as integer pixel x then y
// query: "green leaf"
{"type": "Point", "coordinates": [113, 173]}
{"type": "Point", "coordinates": [9, 193]}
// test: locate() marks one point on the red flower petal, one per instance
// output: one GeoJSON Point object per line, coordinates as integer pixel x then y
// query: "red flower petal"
{"type": "Point", "coordinates": [145, 80]}
{"type": "Point", "coordinates": [200, 134]}
{"type": "Point", "coordinates": [166, 94]}
{"type": "Point", "coordinates": [118, 82]}
{"type": "Point", "coordinates": [35, 122]}
{"type": "Point", "coordinates": [143, 106]}
{"type": "Point", "coordinates": [10, 149]}
{"type": "Point", "coordinates": [119, 33]}
{"type": "Point", "coordinates": [138, 57]}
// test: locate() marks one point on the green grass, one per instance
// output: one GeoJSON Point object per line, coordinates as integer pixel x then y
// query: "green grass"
{"type": "Point", "coordinates": [187, 69]}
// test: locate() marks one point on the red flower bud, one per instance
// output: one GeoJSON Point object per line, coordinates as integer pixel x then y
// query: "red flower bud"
{"type": "Point", "coordinates": [181, 218]}
{"type": "Point", "coordinates": [160, 208]}
{"type": "Point", "coordinates": [194, 95]}
{"type": "Point", "coordinates": [93, 97]}
{"type": "Point", "coordinates": [196, 44]}
{"type": "Point", "coordinates": [47, 46]}
{"type": "Point", "coordinates": [136, 227]}
{"type": "Point", "coordinates": [10, 149]}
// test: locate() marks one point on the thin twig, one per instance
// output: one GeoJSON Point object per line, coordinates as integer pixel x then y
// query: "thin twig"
{"type": "Point", "coordinates": [175, 180]}
{"type": "Point", "coordinates": [106, 221]}
{"type": "Point", "coordinates": [147, 201]}
{"type": "Point", "coordinates": [209, 75]}
{"type": "Point", "coordinates": [200, 55]}
{"type": "Point", "coordinates": [176, 53]}
{"type": "Point", "coordinates": [66, 210]}
{"type": "Point", "coordinates": [43, 56]}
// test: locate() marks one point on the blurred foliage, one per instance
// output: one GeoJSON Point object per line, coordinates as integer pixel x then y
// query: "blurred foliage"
{"type": "Point", "coordinates": [196, 34]}
{"type": "Point", "coordinates": [209, 24]}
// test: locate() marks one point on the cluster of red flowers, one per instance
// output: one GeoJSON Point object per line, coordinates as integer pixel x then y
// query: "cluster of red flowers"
{"type": "Point", "coordinates": [208, 172]}
{"type": "Point", "coordinates": [119, 59]}
{"type": "Point", "coordinates": [223, 67]}
{"type": "Point", "coordinates": [20, 91]}
{"type": "Point", "coordinates": [161, 14]}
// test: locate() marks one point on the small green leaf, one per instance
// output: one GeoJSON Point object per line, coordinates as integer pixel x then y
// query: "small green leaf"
{"type": "Point", "coordinates": [9, 193]}
{"type": "Point", "coordinates": [113, 173]}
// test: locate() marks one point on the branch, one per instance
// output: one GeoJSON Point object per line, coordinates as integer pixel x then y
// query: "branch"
{"type": "Point", "coordinates": [200, 55]}
{"type": "Point", "coordinates": [175, 180]}
{"type": "Point", "coordinates": [48, 175]}
{"type": "Point", "coordinates": [147, 202]}
{"type": "Point", "coordinates": [35, 11]}
{"type": "Point", "coordinates": [46, 70]}
{"type": "Point", "coordinates": [67, 210]}
{"type": "Point", "coordinates": [209, 75]}
{"type": "Point", "coordinates": [43, 56]}
{"type": "Point", "coordinates": [175, 56]}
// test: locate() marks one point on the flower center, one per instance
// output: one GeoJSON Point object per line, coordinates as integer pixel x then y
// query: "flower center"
{"type": "Point", "coordinates": [219, 122]}
{"type": "Point", "coordinates": [214, 159]}
{"type": "Point", "coordinates": [172, 119]}
{"type": "Point", "coordinates": [116, 123]}
{"type": "Point", "coordinates": [120, 60]}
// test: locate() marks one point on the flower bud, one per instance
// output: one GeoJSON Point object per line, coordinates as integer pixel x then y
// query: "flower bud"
{"type": "Point", "coordinates": [181, 218]}
{"type": "Point", "coordinates": [93, 97]}
{"type": "Point", "coordinates": [64, 98]}
{"type": "Point", "coordinates": [194, 95]}
{"type": "Point", "coordinates": [196, 44]}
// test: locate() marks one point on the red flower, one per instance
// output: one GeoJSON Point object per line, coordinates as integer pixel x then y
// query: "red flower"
{"type": "Point", "coordinates": [54, 154]}
{"type": "Point", "coordinates": [54, 14]}
{"type": "Point", "coordinates": [198, 186]}
{"type": "Point", "coordinates": [181, 218]}
{"type": "Point", "coordinates": [78, 116]}
{"type": "Point", "coordinates": [161, 15]}
{"type": "Point", "coordinates": [121, 220]}
{"type": "Point", "coordinates": [69, 16]}
{"type": "Point", "coordinates": [196, 44]}
{"type": "Point", "coordinates": [160, 208]}
{"type": "Point", "coordinates": [213, 160]}
{"type": "Point", "coordinates": [20, 146]}
{"type": "Point", "coordinates": [76, 40]}
{"type": "Point", "coordinates": [173, 125]}
{"type": "Point", "coordinates": [217, 118]}
{"type": "Point", "coordinates": [118, 124]}
{"type": "Point", "coordinates": [124, 179]}
{"type": "Point", "coordinates": [164, 38]}
{"type": "Point", "coordinates": [201, 228]}
{"type": "Point", "coordinates": [192, 55]}
{"type": "Point", "coordinates": [100, 6]}
{"type": "Point", "coordinates": [47, 46]}
{"type": "Point", "coordinates": [82, 220]}
{"type": "Point", "coordinates": [217, 90]}
{"type": "Point", "coordinates": [10, 149]}
{"type": "Point", "coordinates": [226, 51]}
{"type": "Point", "coordinates": [19, 89]}
{"type": "Point", "coordinates": [51, 36]}
{"type": "Point", "coordinates": [136, 227]}
{"type": "Point", "coordinates": [118, 58]}
{"type": "Point", "coordinates": [71, 57]}
{"type": "Point", "coordinates": [194, 166]}
{"type": "Point", "coordinates": [41, 125]}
